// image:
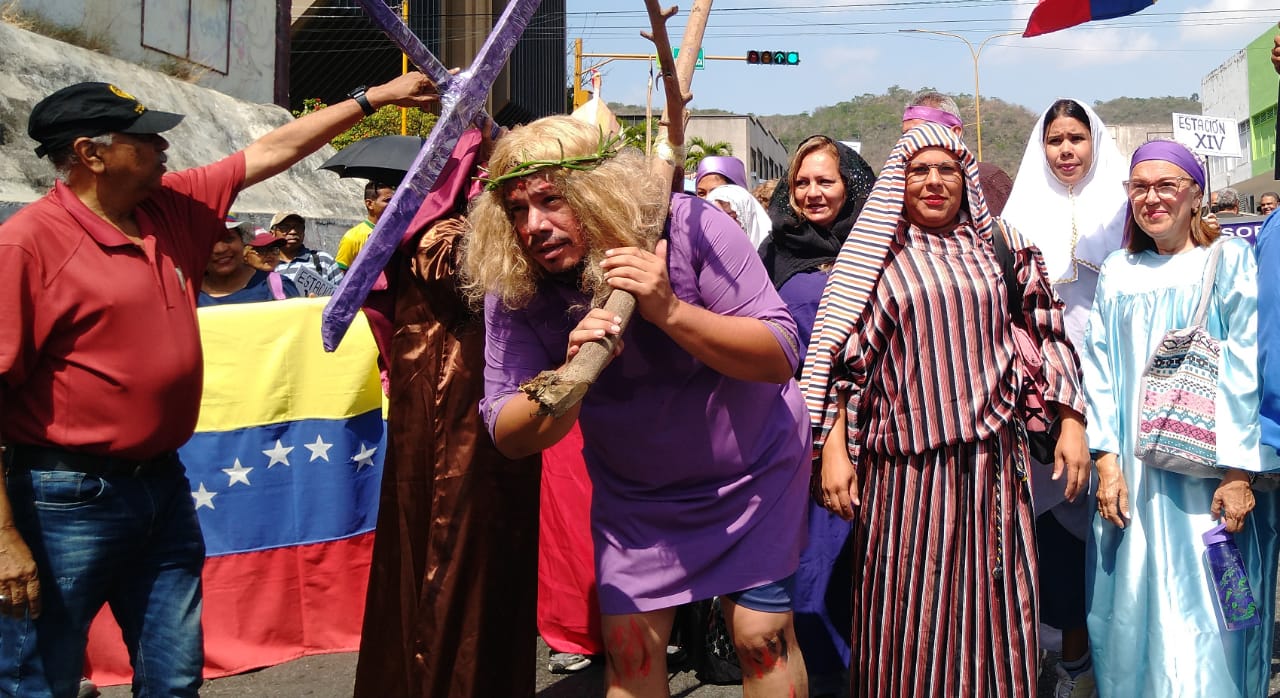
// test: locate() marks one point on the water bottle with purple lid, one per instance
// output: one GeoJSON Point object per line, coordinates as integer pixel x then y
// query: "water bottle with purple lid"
{"type": "Point", "coordinates": [1236, 603]}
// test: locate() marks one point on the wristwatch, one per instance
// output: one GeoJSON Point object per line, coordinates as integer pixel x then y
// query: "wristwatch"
{"type": "Point", "coordinates": [362, 99]}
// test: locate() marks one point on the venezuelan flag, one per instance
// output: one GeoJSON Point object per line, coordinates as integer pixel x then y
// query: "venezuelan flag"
{"type": "Point", "coordinates": [285, 468]}
{"type": "Point", "coordinates": [1052, 15]}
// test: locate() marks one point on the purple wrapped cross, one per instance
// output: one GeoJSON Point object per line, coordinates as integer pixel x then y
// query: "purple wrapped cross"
{"type": "Point", "coordinates": [461, 100]}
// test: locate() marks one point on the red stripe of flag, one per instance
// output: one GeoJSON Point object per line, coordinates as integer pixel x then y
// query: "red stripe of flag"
{"type": "Point", "coordinates": [263, 608]}
{"type": "Point", "coordinates": [1052, 15]}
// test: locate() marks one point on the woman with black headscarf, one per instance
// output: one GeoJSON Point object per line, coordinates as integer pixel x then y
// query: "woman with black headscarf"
{"type": "Point", "coordinates": [813, 209]}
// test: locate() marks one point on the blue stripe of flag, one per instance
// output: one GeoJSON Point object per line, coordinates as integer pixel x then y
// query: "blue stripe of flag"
{"type": "Point", "coordinates": [293, 483]}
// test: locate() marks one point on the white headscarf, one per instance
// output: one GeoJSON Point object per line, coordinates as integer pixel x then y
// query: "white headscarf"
{"type": "Point", "coordinates": [751, 215]}
{"type": "Point", "coordinates": [1044, 211]}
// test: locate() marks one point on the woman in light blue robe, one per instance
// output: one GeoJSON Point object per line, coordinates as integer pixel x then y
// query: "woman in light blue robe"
{"type": "Point", "coordinates": [1152, 620]}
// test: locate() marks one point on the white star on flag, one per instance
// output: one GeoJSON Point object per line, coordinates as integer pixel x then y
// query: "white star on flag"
{"type": "Point", "coordinates": [203, 497]}
{"type": "Point", "coordinates": [279, 454]}
{"type": "Point", "coordinates": [319, 449]}
{"type": "Point", "coordinates": [238, 473]}
{"type": "Point", "coordinates": [364, 458]}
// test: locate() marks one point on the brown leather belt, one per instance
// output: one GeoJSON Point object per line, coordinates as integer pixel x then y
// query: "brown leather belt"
{"type": "Point", "coordinates": [48, 458]}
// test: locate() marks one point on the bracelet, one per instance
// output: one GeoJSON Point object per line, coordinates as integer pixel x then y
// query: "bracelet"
{"type": "Point", "coordinates": [361, 98]}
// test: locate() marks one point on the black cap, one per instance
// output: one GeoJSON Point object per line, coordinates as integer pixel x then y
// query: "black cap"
{"type": "Point", "coordinates": [92, 109]}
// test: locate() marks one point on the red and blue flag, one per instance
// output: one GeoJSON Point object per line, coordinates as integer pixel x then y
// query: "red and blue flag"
{"type": "Point", "coordinates": [1052, 15]}
{"type": "Point", "coordinates": [285, 468]}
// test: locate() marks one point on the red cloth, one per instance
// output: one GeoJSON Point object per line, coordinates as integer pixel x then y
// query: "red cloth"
{"type": "Point", "coordinates": [568, 610]}
{"type": "Point", "coordinates": [94, 328]}
{"type": "Point", "coordinates": [262, 609]}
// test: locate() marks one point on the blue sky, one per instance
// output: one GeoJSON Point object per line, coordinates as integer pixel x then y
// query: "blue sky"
{"type": "Point", "coordinates": [853, 47]}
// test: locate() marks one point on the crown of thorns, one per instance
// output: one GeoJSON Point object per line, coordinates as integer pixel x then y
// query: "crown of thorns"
{"type": "Point", "coordinates": [605, 149]}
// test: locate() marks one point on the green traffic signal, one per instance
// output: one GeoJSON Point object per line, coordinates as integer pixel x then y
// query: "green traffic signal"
{"type": "Point", "coordinates": [773, 57]}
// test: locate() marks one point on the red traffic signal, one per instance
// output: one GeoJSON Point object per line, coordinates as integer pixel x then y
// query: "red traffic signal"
{"type": "Point", "coordinates": [773, 57]}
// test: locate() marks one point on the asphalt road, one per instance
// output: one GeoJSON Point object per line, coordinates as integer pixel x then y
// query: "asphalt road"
{"type": "Point", "coordinates": [332, 676]}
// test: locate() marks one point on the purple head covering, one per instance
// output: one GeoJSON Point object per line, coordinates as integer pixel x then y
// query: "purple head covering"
{"type": "Point", "coordinates": [726, 166]}
{"type": "Point", "coordinates": [1171, 152]}
{"type": "Point", "coordinates": [932, 115]}
{"type": "Point", "coordinates": [1168, 151]}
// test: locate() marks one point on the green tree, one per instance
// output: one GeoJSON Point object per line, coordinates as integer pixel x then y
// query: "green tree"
{"type": "Point", "coordinates": [697, 148]}
{"type": "Point", "coordinates": [633, 134]}
{"type": "Point", "coordinates": [383, 122]}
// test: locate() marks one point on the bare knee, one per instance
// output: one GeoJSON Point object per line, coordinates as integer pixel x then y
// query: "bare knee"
{"type": "Point", "coordinates": [628, 652]}
{"type": "Point", "coordinates": [634, 646]}
{"type": "Point", "coordinates": [762, 650]}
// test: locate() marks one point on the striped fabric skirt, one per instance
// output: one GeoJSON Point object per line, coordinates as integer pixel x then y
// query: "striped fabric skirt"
{"type": "Point", "coordinates": [944, 600]}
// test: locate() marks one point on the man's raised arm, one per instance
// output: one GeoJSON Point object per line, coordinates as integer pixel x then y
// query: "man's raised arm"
{"type": "Point", "coordinates": [279, 150]}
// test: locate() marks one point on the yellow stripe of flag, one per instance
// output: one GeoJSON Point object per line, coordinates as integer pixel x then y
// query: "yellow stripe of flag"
{"type": "Point", "coordinates": [264, 364]}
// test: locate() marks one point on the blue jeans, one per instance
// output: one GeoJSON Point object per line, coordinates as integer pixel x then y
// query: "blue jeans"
{"type": "Point", "coordinates": [133, 543]}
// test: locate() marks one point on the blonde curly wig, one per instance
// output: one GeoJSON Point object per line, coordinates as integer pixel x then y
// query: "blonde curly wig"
{"type": "Point", "coordinates": [618, 203]}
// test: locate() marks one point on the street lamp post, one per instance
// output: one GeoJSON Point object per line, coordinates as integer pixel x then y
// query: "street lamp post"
{"type": "Point", "coordinates": [977, 96]}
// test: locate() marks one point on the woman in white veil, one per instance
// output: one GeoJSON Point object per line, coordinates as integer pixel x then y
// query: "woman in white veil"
{"type": "Point", "coordinates": [1068, 199]}
{"type": "Point", "coordinates": [1075, 217]}
{"type": "Point", "coordinates": [744, 208]}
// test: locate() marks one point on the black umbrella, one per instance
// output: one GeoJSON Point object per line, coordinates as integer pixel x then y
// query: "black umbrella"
{"type": "Point", "coordinates": [383, 159]}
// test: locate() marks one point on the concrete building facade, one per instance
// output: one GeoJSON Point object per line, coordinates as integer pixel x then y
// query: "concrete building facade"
{"type": "Point", "coordinates": [225, 46]}
{"type": "Point", "coordinates": [1243, 89]}
{"type": "Point", "coordinates": [763, 154]}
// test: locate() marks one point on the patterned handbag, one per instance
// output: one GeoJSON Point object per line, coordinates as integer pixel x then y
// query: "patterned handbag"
{"type": "Point", "coordinates": [1177, 425]}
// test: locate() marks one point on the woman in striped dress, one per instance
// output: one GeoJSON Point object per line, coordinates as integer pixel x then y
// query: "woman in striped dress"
{"type": "Point", "coordinates": [914, 385]}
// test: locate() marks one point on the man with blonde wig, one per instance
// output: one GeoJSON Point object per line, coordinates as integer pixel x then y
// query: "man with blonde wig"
{"type": "Point", "coordinates": [695, 435]}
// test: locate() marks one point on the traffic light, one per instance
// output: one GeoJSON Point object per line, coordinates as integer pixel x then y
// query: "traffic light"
{"type": "Point", "coordinates": [773, 57]}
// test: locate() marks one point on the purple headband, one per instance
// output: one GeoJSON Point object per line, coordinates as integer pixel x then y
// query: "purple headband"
{"type": "Point", "coordinates": [1172, 152]}
{"type": "Point", "coordinates": [932, 115]}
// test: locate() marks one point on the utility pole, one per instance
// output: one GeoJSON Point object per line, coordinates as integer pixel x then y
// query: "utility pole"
{"type": "Point", "coordinates": [404, 68]}
{"type": "Point", "coordinates": [579, 95]}
{"type": "Point", "coordinates": [975, 53]}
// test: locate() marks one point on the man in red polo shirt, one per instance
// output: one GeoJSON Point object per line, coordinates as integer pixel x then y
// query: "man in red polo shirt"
{"type": "Point", "coordinates": [100, 380]}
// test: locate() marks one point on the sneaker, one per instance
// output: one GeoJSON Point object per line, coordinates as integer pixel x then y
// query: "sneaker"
{"type": "Point", "coordinates": [1079, 686]}
{"type": "Point", "coordinates": [676, 655]}
{"type": "Point", "coordinates": [88, 689]}
{"type": "Point", "coordinates": [567, 663]}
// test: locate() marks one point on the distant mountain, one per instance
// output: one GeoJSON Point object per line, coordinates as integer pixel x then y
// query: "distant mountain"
{"type": "Point", "coordinates": [1131, 110]}
{"type": "Point", "coordinates": [876, 120]}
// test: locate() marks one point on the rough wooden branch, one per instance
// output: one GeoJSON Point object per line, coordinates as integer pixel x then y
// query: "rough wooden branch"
{"type": "Point", "coordinates": [558, 391]}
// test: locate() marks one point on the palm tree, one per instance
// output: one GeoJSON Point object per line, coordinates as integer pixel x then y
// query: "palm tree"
{"type": "Point", "coordinates": [698, 149]}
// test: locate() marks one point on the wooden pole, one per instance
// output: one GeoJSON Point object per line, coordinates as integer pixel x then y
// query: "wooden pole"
{"type": "Point", "coordinates": [558, 391]}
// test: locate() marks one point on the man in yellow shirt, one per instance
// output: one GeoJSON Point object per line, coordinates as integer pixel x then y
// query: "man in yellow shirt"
{"type": "Point", "coordinates": [376, 197]}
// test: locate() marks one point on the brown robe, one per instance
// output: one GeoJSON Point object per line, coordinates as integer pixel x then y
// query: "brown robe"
{"type": "Point", "coordinates": [451, 605]}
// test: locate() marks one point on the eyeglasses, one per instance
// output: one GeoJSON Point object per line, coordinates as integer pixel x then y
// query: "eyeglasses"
{"type": "Point", "coordinates": [948, 171]}
{"type": "Point", "coordinates": [1166, 189]}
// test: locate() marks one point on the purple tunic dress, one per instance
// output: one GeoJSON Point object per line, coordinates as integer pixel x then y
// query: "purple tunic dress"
{"type": "Point", "coordinates": [700, 480]}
